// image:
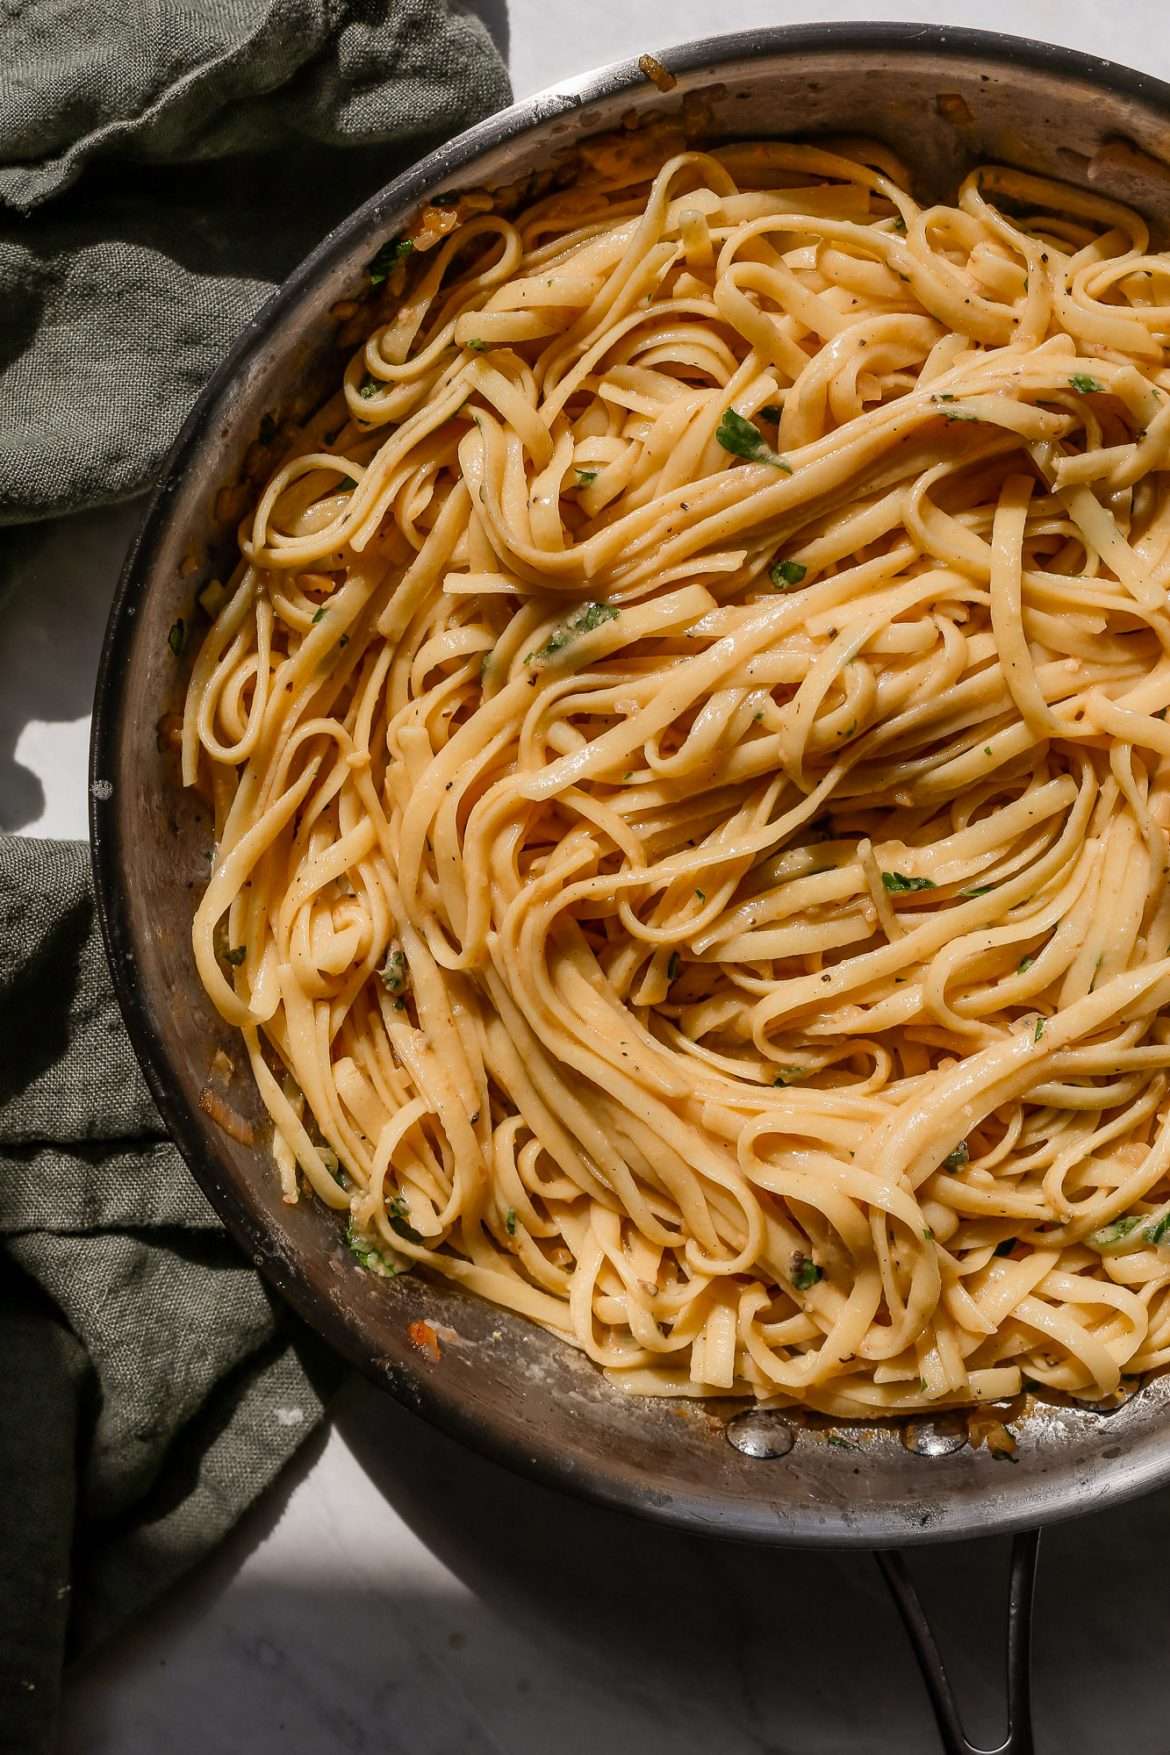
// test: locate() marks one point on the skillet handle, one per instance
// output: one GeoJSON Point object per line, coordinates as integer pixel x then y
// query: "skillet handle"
{"type": "Point", "coordinates": [1019, 1737]}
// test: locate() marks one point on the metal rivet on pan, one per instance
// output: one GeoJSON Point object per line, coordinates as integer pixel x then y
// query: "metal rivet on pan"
{"type": "Point", "coordinates": [941, 1437]}
{"type": "Point", "coordinates": [761, 1433]}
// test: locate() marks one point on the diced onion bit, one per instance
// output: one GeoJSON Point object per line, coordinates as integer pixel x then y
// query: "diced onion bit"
{"type": "Point", "coordinates": [656, 73]}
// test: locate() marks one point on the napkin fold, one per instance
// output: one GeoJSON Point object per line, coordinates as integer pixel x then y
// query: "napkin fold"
{"type": "Point", "coordinates": [152, 1385]}
{"type": "Point", "coordinates": [161, 169]}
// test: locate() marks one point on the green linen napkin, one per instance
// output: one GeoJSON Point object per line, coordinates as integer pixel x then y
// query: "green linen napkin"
{"type": "Point", "coordinates": [161, 169]}
{"type": "Point", "coordinates": [152, 1386]}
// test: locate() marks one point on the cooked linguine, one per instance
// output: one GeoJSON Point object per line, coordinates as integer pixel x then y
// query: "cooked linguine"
{"type": "Point", "coordinates": [687, 749]}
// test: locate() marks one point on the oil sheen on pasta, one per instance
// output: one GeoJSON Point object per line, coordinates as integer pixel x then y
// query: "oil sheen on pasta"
{"type": "Point", "coordinates": [687, 750]}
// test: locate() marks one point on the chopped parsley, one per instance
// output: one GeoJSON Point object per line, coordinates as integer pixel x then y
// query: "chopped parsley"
{"type": "Point", "coordinates": [1039, 1030]}
{"type": "Point", "coordinates": [744, 439]}
{"type": "Point", "coordinates": [1024, 964]}
{"type": "Point", "coordinates": [236, 955]}
{"type": "Point", "coordinates": [586, 477]}
{"type": "Point", "coordinates": [805, 1272]}
{"type": "Point", "coordinates": [928, 1235]}
{"type": "Point", "coordinates": [839, 1443]}
{"type": "Point", "coordinates": [1084, 385]}
{"type": "Point", "coordinates": [319, 615]}
{"type": "Point", "coordinates": [398, 1214]}
{"type": "Point", "coordinates": [394, 973]}
{"type": "Point", "coordinates": [956, 1159]}
{"type": "Point", "coordinates": [1114, 1233]}
{"type": "Point", "coordinates": [345, 484]}
{"type": "Point", "coordinates": [376, 1260]}
{"type": "Point", "coordinates": [177, 638]}
{"type": "Point", "coordinates": [702, 895]}
{"type": "Point", "coordinates": [582, 621]}
{"type": "Point", "coordinates": [476, 345]}
{"type": "Point", "coordinates": [510, 1221]}
{"type": "Point", "coordinates": [785, 574]}
{"type": "Point", "coordinates": [897, 881]}
{"type": "Point", "coordinates": [953, 412]}
{"type": "Point", "coordinates": [673, 966]}
{"type": "Point", "coordinates": [790, 1075]}
{"type": "Point", "coordinates": [333, 1164]}
{"type": "Point", "coordinates": [1134, 1229]}
{"type": "Point", "coordinates": [393, 252]}
{"type": "Point", "coordinates": [370, 385]}
{"type": "Point", "coordinates": [977, 890]}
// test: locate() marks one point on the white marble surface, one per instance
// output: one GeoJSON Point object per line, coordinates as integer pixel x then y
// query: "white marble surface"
{"type": "Point", "coordinates": [395, 1594]}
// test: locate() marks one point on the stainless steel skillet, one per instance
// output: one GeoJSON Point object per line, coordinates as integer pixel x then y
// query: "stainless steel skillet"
{"type": "Point", "coordinates": [944, 99]}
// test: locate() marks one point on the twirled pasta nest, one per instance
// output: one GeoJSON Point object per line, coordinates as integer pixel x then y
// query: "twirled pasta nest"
{"type": "Point", "coordinates": [687, 749]}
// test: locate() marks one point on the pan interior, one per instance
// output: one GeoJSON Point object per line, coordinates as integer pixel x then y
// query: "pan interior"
{"type": "Point", "coordinates": [943, 100]}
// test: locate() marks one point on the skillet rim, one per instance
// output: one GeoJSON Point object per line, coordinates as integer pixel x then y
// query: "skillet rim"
{"type": "Point", "coordinates": [616, 1486]}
